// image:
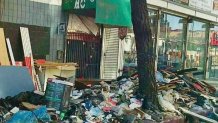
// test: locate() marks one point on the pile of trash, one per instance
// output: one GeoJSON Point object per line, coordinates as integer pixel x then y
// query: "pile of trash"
{"type": "Point", "coordinates": [179, 94]}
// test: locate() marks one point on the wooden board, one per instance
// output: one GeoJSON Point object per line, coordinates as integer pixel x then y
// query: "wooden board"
{"type": "Point", "coordinates": [4, 60]}
{"type": "Point", "coordinates": [10, 52]}
{"type": "Point", "coordinates": [28, 53]}
{"type": "Point", "coordinates": [26, 42]}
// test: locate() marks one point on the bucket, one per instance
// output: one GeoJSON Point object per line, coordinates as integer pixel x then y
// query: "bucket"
{"type": "Point", "coordinates": [57, 94]}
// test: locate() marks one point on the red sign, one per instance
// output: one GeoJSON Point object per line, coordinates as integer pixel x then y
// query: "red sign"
{"type": "Point", "coordinates": [214, 39]}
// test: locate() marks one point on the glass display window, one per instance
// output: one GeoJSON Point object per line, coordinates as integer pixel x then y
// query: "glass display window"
{"type": "Point", "coordinates": [170, 46]}
{"type": "Point", "coordinates": [196, 45]}
{"type": "Point", "coordinates": [213, 54]}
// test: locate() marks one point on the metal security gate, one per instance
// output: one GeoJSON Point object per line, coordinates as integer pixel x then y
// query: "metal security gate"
{"type": "Point", "coordinates": [85, 50]}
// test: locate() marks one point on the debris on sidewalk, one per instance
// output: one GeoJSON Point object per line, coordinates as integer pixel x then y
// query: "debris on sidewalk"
{"type": "Point", "coordinates": [179, 94]}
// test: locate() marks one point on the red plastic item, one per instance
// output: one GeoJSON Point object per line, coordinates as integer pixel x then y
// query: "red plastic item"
{"type": "Point", "coordinates": [40, 61]}
{"type": "Point", "coordinates": [28, 64]}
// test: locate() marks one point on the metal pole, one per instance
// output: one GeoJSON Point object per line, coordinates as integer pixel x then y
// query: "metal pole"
{"type": "Point", "coordinates": [185, 41]}
{"type": "Point", "coordinates": [207, 39]}
{"type": "Point", "coordinates": [157, 37]}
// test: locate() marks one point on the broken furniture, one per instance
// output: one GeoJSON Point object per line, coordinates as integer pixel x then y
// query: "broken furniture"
{"type": "Point", "coordinates": [47, 70]}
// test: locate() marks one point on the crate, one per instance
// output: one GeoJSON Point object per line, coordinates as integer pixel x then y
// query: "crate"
{"type": "Point", "coordinates": [57, 94]}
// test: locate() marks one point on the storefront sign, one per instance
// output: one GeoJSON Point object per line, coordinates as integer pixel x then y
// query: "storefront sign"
{"type": "Point", "coordinates": [108, 12]}
{"type": "Point", "coordinates": [61, 28]}
{"type": "Point", "coordinates": [82, 4]}
{"type": "Point", "coordinates": [78, 4]}
{"type": "Point", "coordinates": [205, 5]}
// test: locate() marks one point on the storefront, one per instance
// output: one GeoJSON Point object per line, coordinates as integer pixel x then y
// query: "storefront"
{"type": "Point", "coordinates": [101, 57]}
{"type": "Point", "coordinates": [182, 35]}
{"type": "Point", "coordinates": [185, 34]}
{"type": "Point", "coordinates": [180, 31]}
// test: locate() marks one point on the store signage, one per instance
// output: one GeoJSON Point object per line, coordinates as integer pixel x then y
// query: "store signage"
{"type": "Point", "coordinates": [81, 4]}
{"type": "Point", "coordinates": [61, 28]}
{"type": "Point", "coordinates": [78, 4]}
{"type": "Point", "coordinates": [205, 5]}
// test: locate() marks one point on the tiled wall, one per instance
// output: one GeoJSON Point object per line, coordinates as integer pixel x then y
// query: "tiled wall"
{"type": "Point", "coordinates": [36, 13]}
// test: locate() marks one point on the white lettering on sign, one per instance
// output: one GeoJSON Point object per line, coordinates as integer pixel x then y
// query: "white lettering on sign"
{"type": "Point", "coordinates": [81, 4]}
{"type": "Point", "coordinates": [77, 4]}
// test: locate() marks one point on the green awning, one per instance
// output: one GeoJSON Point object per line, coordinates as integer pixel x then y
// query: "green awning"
{"type": "Point", "coordinates": [108, 12]}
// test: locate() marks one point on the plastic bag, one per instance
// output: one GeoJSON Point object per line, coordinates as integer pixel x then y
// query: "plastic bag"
{"type": "Point", "coordinates": [39, 114]}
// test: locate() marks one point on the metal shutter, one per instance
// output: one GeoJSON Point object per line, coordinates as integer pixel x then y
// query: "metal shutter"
{"type": "Point", "coordinates": [110, 54]}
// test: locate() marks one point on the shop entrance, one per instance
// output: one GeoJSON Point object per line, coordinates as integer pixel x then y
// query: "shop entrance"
{"type": "Point", "coordinates": [85, 50]}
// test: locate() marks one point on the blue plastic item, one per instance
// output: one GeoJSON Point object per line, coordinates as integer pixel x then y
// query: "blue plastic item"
{"type": "Point", "coordinates": [39, 114]}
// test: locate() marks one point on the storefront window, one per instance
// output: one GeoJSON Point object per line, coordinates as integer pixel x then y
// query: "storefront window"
{"type": "Point", "coordinates": [170, 42]}
{"type": "Point", "coordinates": [213, 53]}
{"type": "Point", "coordinates": [196, 45]}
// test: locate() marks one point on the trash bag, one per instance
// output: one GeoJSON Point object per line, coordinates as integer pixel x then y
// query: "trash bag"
{"type": "Point", "coordinates": [39, 114]}
{"type": "Point", "coordinates": [23, 117]}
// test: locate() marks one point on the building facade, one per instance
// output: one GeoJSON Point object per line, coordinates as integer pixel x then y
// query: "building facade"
{"type": "Point", "coordinates": [42, 17]}
{"type": "Point", "coordinates": [182, 31]}
{"type": "Point", "coordinates": [186, 34]}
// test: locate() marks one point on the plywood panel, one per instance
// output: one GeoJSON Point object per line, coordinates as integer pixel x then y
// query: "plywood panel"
{"type": "Point", "coordinates": [28, 54]}
{"type": "Point", "coordinates": [10, 51]}
{"type": "Point", "coordinates": [4, 60]}
{"type": "Point", "coordinates": [26, 42]}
